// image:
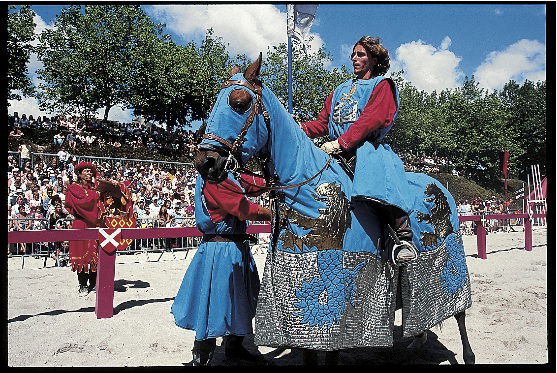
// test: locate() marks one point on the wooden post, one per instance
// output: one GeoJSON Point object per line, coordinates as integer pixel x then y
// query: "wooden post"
{"type": "Point", "coordinates": [105, 284]}
{"type": "Point", "coordinates": [480, 235]}
{"type": "Point", "coordinates": [527, 234]}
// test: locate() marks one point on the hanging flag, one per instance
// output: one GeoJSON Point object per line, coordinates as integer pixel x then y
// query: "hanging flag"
{"type": "Point", "coordinates": [504, 163]}
{"type": "Point", "coordinates": [299, 18]}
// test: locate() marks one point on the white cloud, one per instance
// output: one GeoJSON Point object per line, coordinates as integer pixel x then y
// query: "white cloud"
{"type": "Point", "coordinates": [117, 114]}
{"type": "Point", "coordinates": [27, 105]}
{"type": "Point", "coordinates": [247, 28]}
{"type": "Point", "coordinates": [446, 43]}
{"type": "Point", "coordinates": [525, 59]}
{"type": "Point", "coordinates": [426, 67]}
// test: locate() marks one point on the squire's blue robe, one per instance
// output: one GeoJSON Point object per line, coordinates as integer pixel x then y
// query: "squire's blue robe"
{"type": "Point", "coordinates": [218, 295]}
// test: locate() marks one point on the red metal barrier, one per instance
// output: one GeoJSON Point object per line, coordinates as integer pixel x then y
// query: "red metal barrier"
{"type": "Point", "coordinates": [127, 233]}
{"type": "Point", "coordinates": [481, 231]}
{"type": "Point", "coordinates": [138, 233]}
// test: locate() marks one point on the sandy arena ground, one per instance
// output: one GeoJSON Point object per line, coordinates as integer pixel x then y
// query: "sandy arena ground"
{"type": "Point", "coordinates": [50, 326]}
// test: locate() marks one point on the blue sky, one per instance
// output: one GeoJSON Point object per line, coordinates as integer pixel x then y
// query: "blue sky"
{"type": "Point", "coordinates": [436, 45]}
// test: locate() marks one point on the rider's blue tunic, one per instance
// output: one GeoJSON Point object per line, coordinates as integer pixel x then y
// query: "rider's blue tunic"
{"type": "Point", "coordinates": [218, 295]}
{"type": "Point", "coordinates": [379, 173]}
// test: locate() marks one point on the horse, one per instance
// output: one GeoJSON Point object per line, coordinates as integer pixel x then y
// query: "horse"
{"type": "Point", "coordinates": [327, 285]}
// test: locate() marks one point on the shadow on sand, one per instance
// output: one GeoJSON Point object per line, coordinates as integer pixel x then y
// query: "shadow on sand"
{"type": "Point", "coordinates": [432, 353]}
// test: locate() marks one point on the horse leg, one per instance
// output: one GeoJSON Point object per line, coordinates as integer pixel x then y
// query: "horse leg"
{"type": "Point", "coordinates": [418, 341]}
{"type": "Point", "coordinates": [467, 353]}
{"type": "Point", "coordinates": [309, 356]}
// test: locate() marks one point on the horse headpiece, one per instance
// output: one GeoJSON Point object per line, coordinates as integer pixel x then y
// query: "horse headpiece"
{"type": "Point", "coordinates": [239, 104]}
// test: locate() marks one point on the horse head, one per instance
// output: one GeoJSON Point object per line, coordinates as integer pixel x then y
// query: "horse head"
{"type": "Point", "coordinates": [234, 130]}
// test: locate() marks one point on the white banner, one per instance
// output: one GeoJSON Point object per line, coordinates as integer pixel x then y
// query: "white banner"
{"type": "Point", "coordinates": [299, 18]}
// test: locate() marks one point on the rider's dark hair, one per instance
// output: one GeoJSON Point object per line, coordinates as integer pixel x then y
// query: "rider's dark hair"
{"type": "Point", "coordinates": [375, 49]}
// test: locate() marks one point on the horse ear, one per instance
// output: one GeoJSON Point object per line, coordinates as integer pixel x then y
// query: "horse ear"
{"type": "Point", "coordinates": [252, 72]}
{"type": "Point", "coordinates": [233, 70]}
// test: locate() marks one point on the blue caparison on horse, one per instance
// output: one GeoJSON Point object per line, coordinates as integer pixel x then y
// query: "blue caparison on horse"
{"type": "Point", "coordinates": [327, 284]}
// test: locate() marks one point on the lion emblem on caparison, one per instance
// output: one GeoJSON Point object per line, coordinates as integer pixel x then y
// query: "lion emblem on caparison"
{"type": "Point", "coordinates": [326, 231]}
{"type": "Point", "coordinates": [440, 217]}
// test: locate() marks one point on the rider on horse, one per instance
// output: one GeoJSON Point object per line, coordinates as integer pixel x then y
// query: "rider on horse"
{"type": "Point", "coordinates": [356, 117]}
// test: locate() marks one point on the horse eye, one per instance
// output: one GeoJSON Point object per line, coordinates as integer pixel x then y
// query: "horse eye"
{"type": "Point", "coordinates": [239, 100]}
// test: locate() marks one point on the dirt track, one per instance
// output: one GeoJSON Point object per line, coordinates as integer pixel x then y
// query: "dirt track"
{"type": "Point", "coordinates": [49, 325]}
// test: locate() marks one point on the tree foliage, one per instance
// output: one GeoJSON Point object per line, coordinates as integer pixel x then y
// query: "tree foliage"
{"type": "Point", "coordinates": [21, 32]}
{"type": "Point", "coordinates": [526, 106]}
{"type": "Point", "coordinates": [98, 56]}
{"type": "Point", "coordinates": [177, 84]}
{"type": "Point", "coordinates": [472, 127]}
{"type": "Point", "coordinates": [89, 57]}
{"type": "Point", "coordinates": [312, 82]}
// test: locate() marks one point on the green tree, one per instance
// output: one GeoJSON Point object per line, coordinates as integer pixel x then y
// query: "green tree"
{"type": "Point", "coordinates": [89, 57]}
{"type": "Point", "coordinates": [178, 84]}
{"type": "Point", "coordinates": [467, 126]}
{"type": "Point", "coordinates": [477, 132]}
{"type": "Point", "coordinates": [526, 106]}
{"type": "Point", "coordinates": [311, 81]}
{"type": "Point", "coordinates": [21, 32]}
{"type": "Point", "coordinates": [417, 129]}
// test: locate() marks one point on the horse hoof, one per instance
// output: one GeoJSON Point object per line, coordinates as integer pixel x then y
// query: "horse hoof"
{"type": "Point", "coordinates": [418, 342]}
{"type": "Point", "coordinates": [470, 359]}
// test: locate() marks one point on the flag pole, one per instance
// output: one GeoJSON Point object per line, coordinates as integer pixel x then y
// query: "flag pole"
{"type": "Point", "coordinates": [290, 74]}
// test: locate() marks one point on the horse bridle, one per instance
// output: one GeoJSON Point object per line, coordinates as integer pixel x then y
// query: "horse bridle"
{"type": "Point", "coordinates": [232, 163]}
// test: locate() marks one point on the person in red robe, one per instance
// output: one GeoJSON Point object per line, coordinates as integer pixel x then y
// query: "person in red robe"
{"type": "Point", "coordinates": [82, 201]}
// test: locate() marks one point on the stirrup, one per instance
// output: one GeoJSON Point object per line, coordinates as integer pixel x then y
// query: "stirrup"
{"type": "Point", "coordinates": [410, 253]}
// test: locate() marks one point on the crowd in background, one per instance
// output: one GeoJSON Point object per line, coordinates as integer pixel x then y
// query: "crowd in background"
{"type": "Point", "coordinates": [479, 206]}
{"type": "Point", "coordinates": [35, 191]}
{"type": "Point", "coordinates": [162, 192]}
{"type": "Point", "coordinates": [426, 164]}
{"type": "Point", "coordinates": [74, 133]}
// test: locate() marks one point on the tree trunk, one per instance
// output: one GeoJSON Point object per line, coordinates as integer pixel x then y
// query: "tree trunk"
{"type": "Point", "coordinates": [106, 111]}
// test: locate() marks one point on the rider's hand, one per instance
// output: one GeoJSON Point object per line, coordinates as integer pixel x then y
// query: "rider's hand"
{"type": "Point", "coordinates": [331, 147]}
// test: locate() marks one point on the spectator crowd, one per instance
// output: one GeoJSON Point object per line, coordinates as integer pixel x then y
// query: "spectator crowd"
{"type": "Point", "coordinates": [38, 191]}
{"type": "Point", "coordinates": [479, 206]}
{"type": "Point", "coordinates": [162, 192]}
{"type": "Point", "coordinates": [83, 134]}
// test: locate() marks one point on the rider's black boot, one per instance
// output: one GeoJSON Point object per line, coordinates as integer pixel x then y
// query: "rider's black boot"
{"type": "Point", "coordinates": [202, 351]}
{"type": "Point", "coordinates": [404, 251]}
{"type": "Point", "coordinates": [401, 250]}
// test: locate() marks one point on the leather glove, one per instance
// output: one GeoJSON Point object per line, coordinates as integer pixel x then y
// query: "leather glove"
{"type": "Point", "coordinates": [331, 147]}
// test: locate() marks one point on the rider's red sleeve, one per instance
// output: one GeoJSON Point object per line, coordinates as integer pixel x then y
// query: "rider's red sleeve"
{"type": "Point", "coordinates": [252, 184]}
{"type": "Point", "coordinates": [378, 113]}
{"type": "Point", "coordinates": [228, 198]}
{"type": "Point", "coordinates": [320, 126]}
